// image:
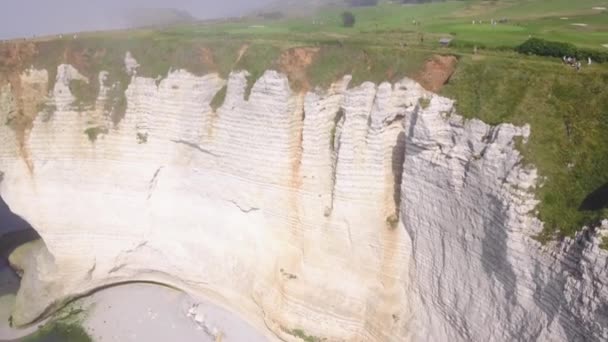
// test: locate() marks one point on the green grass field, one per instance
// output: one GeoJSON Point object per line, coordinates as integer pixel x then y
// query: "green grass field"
{"type": "Point", "coordinates": [547, 19]}
{"type": "Point", "coordinates": [567, 111]}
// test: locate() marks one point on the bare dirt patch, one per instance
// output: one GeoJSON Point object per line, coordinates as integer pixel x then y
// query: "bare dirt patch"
{"type": "Point", "coordinates": [14, 58]}
{"type": "Point", "coordinates": [437, 72]}
{"type": "Point", "coordinates": [13, 55]}
{"type": "Point", "coordinates": [206, 58]}
{"type": "Point", "coordinates": [295, 62]}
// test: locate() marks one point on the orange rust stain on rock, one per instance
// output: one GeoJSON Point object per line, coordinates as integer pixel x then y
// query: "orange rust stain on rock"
{"type": "Point", "coordinates": [211, 123]}
{"type": "Point", "coordinates": [390, 74]}
{"type": "Point", "coordinates": [15, 55]}
{"type": "Point", "coordinates": [296, 161]}
{"type": "Point", "coordinates": [437, 72]}
{"type": "Point", "coordinates": [14, 58]}
{"type": "Point", "coordinates": [295, 62]}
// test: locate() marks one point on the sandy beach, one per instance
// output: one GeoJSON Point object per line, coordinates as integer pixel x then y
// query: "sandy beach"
{"type": "Point", "coordinates": [142, 312]}
{"type": "Point", "coordinates": [147, 312]}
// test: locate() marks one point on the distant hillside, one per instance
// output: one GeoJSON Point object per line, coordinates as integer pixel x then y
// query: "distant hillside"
{"type": "Point", "coordinates": [307, 7]}
{"type": "Point", "coordinates": [158, 17]}
{"type": "Point", "coordinates": [298, 7]}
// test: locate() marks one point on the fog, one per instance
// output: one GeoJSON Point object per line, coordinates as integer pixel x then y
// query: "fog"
{"type": "Point", "coordinates": [26, 18]}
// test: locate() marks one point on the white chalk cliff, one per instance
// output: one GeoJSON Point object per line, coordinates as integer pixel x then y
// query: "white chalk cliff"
{"type": "Point", "coordinates": [349, 213]}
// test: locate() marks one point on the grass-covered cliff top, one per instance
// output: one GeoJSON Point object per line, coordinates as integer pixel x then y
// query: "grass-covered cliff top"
{"type": "Point", "coordinates": [567, 110]}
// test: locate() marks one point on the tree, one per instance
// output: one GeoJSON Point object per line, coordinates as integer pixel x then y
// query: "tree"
{"type": "Point", "coordinates": [348, 19]}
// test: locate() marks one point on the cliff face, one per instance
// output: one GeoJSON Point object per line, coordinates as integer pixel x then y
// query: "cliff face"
{"type": "Point", "coordinates": [478, 274]}
{"type": "Point", "coordinates": [366, 213]}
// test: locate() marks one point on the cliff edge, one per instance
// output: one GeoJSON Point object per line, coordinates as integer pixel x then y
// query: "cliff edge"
{"type": "Point", "coordinates": [367, 213]}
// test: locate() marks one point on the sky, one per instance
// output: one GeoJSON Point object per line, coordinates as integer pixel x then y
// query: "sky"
{"type": "Point", "coordinates": [25, 18]}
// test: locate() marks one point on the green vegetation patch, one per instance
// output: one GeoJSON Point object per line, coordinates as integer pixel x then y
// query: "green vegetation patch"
{"type": "Point", "coordinates": [365, 63]}
{"type": "Point", "coordinates": [142, 138]}
{"type": "Point", "coordinates": [301, 334]}
{"type": "Point", "coordinates": [257, 59]}
{"type": "Point", "coordinates": [84, 93]}
{"type": "Point", "coordinates": [604, 244]}
{"type": "Point", "coordinates": [47, 110]}
{"type": "Point", "coordinates": [424, 102]}
{"type": "Point", "coordinates": [568, 115]}
{"type": "Point", "coordinates": [116, 103]}
{"type": "Point", "coordinates": [65, 327]}
{"type": "Point", "coordinates": [540, 47]}
{"type": "Point", "coordinates": [218, 99]}
{"type": "Point", "coordinates": [94, 132]}
{"type": "Point", "coordinates": [65, 332]}
{"type": "Point", "coordinates": [392, 221]}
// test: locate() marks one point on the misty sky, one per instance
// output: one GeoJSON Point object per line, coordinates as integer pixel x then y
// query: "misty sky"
{"type": "Point", "coordinates": [24, 18]}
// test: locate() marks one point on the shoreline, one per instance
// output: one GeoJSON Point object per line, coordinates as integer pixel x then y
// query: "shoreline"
{"type": "Point", "coordinates": [143, 311]}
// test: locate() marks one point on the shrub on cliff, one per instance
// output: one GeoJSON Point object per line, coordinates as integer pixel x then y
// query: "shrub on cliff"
{"type": "Point", "coordinates": [94, 132]}
{"type": "Point", "coordinates": [597, 56]}
{"type": "Point", "coordinates": [541, 47]}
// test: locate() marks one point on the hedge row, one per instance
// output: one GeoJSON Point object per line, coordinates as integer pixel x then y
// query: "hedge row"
{"type": "Point", "coordinates": [541, 47]}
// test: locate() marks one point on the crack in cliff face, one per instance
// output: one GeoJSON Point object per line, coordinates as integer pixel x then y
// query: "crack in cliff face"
{"type": "Point", "coordinates": [194, 146]}
{"type": "Point", "coordinates": [335, 143]}
{"type": "Point", "coordinates": [243, 209]}
{"type": "Point", "coordinates": [153, 182]}
{"type": "Point", "coordinates": [397, 160]}
{"type": "Point", "coordinates": [92, 270]}
{"type": "Point", "coordinates": [122, 258]}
